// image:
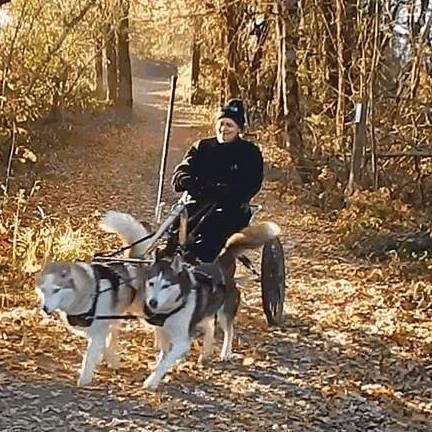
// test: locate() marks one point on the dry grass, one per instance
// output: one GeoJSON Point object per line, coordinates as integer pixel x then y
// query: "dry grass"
{"type": "Point", "coordinates": [29, 239]}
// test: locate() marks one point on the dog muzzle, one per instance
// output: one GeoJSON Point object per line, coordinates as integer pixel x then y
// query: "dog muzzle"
{"type": "Point", "coordinates": [46, 310]}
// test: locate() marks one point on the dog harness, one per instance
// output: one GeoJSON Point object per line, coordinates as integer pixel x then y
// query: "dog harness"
{"type": "Point", "coordinates": [100, 272]}
{"type": "Point", "coordinates": [158, 319]}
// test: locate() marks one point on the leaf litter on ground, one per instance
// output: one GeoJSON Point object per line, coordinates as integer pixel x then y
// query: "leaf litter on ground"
{"type": "Point", "coordinates": [353, 352]}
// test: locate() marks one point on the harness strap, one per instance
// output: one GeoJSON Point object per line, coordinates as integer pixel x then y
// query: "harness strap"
{"type": "Point", "coordinates": [159, 319]}
{"type": "Point", "coordinates": [125, 248]}
{"type": "Point", "coordinates": [248, 264]}
{"type": "Point", "coordinates": [116, 317]}
{"type": "Point", "coordinates": [209, 209]}
{"type": "Point", "coordinates": [100, 271]}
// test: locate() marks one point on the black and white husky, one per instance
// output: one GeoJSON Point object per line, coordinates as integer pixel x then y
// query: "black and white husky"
{"type": "Point", "coordinates": [83, 291]}
{"type": "Point", "coordinates": [179, 298]}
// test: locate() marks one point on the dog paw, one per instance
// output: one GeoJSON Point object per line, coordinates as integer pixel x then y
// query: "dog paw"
{"type": "Point", "coordinates": [84, 381]}
{"type": "Point", "coordinates": [225, 357]}
{"type": "Point", "coordinates": [151, 383]}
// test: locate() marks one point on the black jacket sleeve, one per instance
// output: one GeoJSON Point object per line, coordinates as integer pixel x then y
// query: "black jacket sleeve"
{"type": "Point", "coordinates": [185, 173]}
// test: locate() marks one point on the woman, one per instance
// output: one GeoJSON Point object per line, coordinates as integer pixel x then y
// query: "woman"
{"type": "Point", "coordinates": [225, 170]}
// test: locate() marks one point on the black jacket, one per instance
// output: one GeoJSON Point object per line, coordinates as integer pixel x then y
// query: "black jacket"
{"type": "Point", "coordinates": [229, 174]}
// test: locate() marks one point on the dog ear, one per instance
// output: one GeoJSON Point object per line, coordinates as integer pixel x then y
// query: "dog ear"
{"type": "Point", "coordinates": [177, 264]}
{"type": "Point", "coordinates": [186, 280]}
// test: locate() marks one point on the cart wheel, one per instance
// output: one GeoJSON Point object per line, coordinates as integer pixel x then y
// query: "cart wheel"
{"type": "Point", "coordinates": [273, 281]}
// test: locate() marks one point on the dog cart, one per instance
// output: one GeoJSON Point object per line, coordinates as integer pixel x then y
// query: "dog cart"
{"type": "Point", "coordinates": [271, 276]}
{"type": "Point", "coordinates": [272, 272]}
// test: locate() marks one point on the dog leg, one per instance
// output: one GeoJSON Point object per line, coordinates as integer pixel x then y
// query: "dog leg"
{"type": "Point", "coordinates": [163, 345]}
{"type": "Point", "coordinates": [207, 348]}
{"type": "Point", "coordinates": [94, 353]}
{"type": "Point", "coordinates": [110, 354]}
{"type": "Point", "coordinates": [228, 329]}
{"type": "Point", "coordinates": [178, 349]}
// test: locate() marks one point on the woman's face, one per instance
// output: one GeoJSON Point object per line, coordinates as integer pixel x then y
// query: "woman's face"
{"type": "Point", "coordinates": [227, 130]}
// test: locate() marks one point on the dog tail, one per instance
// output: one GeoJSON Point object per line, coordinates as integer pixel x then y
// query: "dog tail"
{"type": "Point", "coordinates": [128, 228]}
{"type": "Point", "coordinates": [251, 237]}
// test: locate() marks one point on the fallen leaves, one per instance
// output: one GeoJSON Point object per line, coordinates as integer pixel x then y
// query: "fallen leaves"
{"type": "Point", "coordinates": [352, 353]}
{"type": "Point", "coordinates": [248, 361]}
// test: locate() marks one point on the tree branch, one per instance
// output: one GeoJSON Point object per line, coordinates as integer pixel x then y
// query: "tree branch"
{"type": "Point", "coordinates": [67, 29]}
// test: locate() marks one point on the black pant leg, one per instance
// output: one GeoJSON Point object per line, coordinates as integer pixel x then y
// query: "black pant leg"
{"type": "Point", "coordinates": [215, 230]}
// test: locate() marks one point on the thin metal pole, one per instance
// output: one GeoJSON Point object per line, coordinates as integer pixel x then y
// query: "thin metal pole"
{"type": "Point", "coordinates": [164, 156]}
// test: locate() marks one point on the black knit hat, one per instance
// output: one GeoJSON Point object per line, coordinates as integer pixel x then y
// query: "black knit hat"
{"type": "Point", "coordinates": [233, 110]}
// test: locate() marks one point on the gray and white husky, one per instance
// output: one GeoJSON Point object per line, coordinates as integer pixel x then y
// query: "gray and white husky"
{"type": "Point", "coordinates": [83, 291]}
{"type": "Point", "coordinates": [179, 298]}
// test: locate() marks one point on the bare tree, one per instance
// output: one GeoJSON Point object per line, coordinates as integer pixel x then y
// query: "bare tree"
{"type": "Point", "coordinates": [111, 57]}
{"type": "Point", "coordinates": [231, 12]}
{"type": "Point", "coordinates": [195, 70]}
{"type": "Point", "coordinates": [124, 62]}
{"type": "Point", "coordinates": [100, 88]}
{"type": "Point", "coordinates": [288, 88]}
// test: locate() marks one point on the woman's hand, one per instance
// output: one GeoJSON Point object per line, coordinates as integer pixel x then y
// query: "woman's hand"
{"type": "Point", "coordinates": [191, 185]}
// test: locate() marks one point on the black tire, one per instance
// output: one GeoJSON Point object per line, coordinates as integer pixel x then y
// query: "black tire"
{"type": "Point", "coordinates": [273, 281]}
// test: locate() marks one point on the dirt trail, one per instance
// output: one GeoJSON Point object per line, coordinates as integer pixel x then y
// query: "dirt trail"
{"type": "Point", "coordinates": [113, 162]}
{"type": "Point", "coordinates": [311, 374]}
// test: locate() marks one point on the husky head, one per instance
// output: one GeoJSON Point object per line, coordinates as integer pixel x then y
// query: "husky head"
{"type": "Point", "coordinates": [57, 287]}
{"type": "Point", "coordinates": [167, 283]}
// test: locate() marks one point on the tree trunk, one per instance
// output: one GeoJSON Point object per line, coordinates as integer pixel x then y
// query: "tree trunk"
{"type": "Point", "coordinates": [340, 39]}
{"type": "Point", "coordinates": [223, 71]}
{"type": "Point", "coordinates": [340, 44]}
{"type": "Point", "coordinates": [290, 89]}
{"type": "Point", "coordinates": [279, 106]}
{"type": "Point", "coordinates": [100, 87]}
{"type": "Point", "coordinates": [255, 63]}
{"type": "Point", "coordinates": [417, 24]}
{"type": "Point", "coordinates": [196, 57]}
{"type": "Point", "coordinates": [223, 86]}
{"type": "Point", "coordinates": [330, 51]}
{"type": "Point", "coordinates": [111, 56]}
{"type": "Point", "coordinates": [231, 13]}
{"type": "Point", "coordinates": [124, 62]}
